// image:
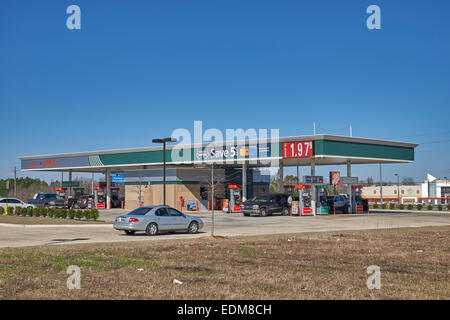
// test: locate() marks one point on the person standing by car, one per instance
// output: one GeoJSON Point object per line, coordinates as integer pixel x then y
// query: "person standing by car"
{"type": "Point", "coordinates": [289, 201]}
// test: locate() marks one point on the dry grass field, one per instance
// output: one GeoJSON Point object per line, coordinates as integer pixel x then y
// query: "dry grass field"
{"type": "Point", "coordinates": [329, 265]}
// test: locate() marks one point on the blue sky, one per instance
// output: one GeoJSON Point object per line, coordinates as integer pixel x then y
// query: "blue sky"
{"type": "Point", "coordinates": [140, 69]}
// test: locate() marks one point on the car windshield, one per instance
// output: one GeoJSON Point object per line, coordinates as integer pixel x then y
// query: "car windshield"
{"type": "Point", "coordinates": [139, 212]}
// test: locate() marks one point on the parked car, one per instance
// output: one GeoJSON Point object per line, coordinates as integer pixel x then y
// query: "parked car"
{"type": "Point", "coordinates": [267, 205]}
{"type": "Point", "coordinates": [47, 200]}
{"type": "Point", "coordinates": [13, 202]}
{"type": "Point", "coordinates": [153, 219]}
{"type": "Point", "coordinates": [338, 203]}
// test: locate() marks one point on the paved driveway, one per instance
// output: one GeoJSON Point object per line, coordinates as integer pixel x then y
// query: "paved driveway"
{"type": "Point", "coordinates": [225, 225]}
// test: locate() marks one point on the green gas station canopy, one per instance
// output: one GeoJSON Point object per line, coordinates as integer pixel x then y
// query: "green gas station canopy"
{"type": "Point", "coordinates": [326, 150]}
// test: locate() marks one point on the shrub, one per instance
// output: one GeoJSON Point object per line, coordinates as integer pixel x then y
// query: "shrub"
{"type": "Point", "coordinates": [18, 211]}
{"type": "Point", "coordinates": [95, 213]}
{"type": "Point", "coordinates": [429, 207]}
{"type": "Point", "coordinates": [24, 212]}
{"type": "Point", "coordinates": [401, 206]}
{"type": "Point", "coordinates": [63, 213]}
{"type": "Point", "coordinates": [71, 214]}
{"type": "Point", "coordinates": [2, 210]}
{"type": "Point", "coordinates": [51, 212]}
{"type": "Point", "coordinates": [392, 205]}
{"type": "Point", "coordinates": [44, 212]}
{"type": "Point", "coordinates": [419, 206]}
{"type": "Point", "coordinates": [410, 206]}
{"type": "Point", "coordinates": [439, 207]}
{"type": "Point", "coordinates": [79, 214]}
{"type": "Point", "coordinates": [57, 213]}
{"type": "Point", "coordinates": [375, 205]}
{"type": "Point", "coordinates": [36, 212]}
{"type": "Point", "coordinates": [448, 206]}
{"type": "Point", "coordinates": [383, 206]}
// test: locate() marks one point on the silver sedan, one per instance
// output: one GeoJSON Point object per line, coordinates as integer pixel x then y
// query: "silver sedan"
{"type": "Point", "coordinates": [153, 219]}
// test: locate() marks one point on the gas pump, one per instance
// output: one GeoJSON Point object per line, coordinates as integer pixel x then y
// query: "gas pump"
{"type": "Point", "coordinates": [100, 197]}
{"type": "Point", "coordinates": [235, 198]}
{"type": "Point", "coordinates": [356, 199]}
{"type": "Point", "coordinates": [61, 192]}
{"type": "Point", "coordinates": [321, 196]}
{"type": "Point", "coordinates": [304, 200]}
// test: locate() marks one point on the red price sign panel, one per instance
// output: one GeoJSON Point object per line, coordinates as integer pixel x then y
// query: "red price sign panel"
{"type": "Point", "coordinates": [297, 149]}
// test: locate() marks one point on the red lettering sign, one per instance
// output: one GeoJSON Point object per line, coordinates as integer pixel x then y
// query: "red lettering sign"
{"type": "Point", "coordinates": [49, 163]}
{"type": "Point", "coordinates": [297, 149]}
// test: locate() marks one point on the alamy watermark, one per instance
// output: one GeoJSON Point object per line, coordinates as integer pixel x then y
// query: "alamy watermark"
{"type": "Point", "coordinates": [254, 146]}
{"type": "Point", "coordinates": [374, 280]}
{"type": "Point", "coordinates": [74, 280]}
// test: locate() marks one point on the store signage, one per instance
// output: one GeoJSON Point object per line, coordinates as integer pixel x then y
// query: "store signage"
{"type": "Point", "coordinates": [68, 184]}
{"type": "Point", "coordinates": [349, 180]}
{"type": "Point", "coordinates": [60, 162]}
{"type": "Point", "coordinates": [312, 179]}
{"type": "Point", "coordinates": [232, 152]}
{"type": "Point", "coordinates": [214, 153]}
{"type": "Point", "coordinates": [297, 149]}
{"type": "Point", "coordinates": [335, 178]}
{"type": "Point", "coordinates": [117, 178]}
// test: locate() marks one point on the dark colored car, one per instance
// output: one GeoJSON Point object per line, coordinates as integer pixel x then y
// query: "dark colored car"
{"type": "Point", "coordinates": [267, 205]}
{"type": "Point", "coordinates": [338, 203]}
{"type": "Point", "coordinates": [47, 200]}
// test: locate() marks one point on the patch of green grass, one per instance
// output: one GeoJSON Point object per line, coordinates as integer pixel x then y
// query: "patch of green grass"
{"type": "Point", "coordinates": [244, 252]}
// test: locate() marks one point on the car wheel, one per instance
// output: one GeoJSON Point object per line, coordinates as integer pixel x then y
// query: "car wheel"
{"type": "Point", "coordinates": [29, 207]}
{"type": "Point", "coordinates": [193, 227]}
{"type": "Point", "coordinates": [152, 229]}
{"type": "Point", "coordinates": [285, 212]}
{"type": "Point", "coordinates": [246, 214]}
{"type": "Point", "coordinates": [263, 212]}
{"type": "Point", "coordinates": [130, 232]}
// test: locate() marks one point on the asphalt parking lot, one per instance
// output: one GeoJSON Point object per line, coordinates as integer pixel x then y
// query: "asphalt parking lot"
{"type": "Point", "coordinates": [225, 225]}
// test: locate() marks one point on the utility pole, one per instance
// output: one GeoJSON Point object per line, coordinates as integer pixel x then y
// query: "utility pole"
{"type": "Point", "coordinates": [398, 187]}
{"type": "Point", "coordinates": [15, 182]}
{"type": "Point", "coordinates": [381, 186]}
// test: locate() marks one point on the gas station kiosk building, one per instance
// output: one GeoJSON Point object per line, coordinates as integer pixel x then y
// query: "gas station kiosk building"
{"type": "Point", "coordinates": [189, 167]}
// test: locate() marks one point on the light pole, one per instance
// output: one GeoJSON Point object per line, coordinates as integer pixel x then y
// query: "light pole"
{"type": "Point", "coordinates": [212, 198]}
{"type": "Point", "coordinates": [398, 187]}
{"type": "Point", "coordinates": [164, 141]}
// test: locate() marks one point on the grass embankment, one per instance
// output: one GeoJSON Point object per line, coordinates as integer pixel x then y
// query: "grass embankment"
{"type": "Point", "coordinates": [329, 265]}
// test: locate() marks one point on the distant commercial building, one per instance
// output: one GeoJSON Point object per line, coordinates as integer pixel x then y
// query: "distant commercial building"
{"type": "Point", "coordinates": [432, 190]}
{"type": "Point", "coordinates": [406, 193]}
{"type": "Point", "coordinates": [435, 191]}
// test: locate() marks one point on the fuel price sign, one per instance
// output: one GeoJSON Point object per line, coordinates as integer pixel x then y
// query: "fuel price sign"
{"type": "Point", "coordinates": [297, 149]}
